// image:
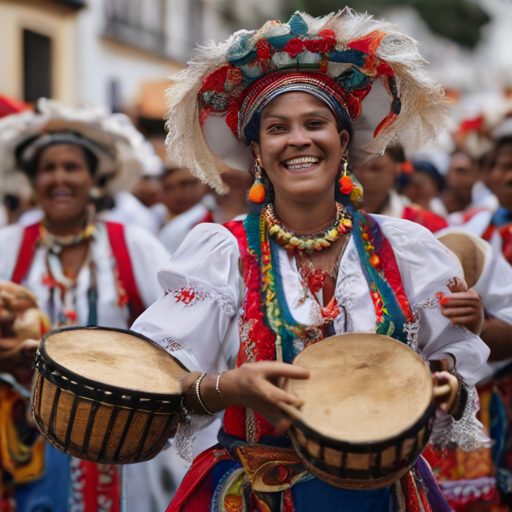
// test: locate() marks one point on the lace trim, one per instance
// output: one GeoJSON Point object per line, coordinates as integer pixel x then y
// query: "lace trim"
{"type": "Point", "coordinates": [467, 433]}
{"type": "Point", "coordinates": [412, 330]}
{"type": "Point", "coordinates": [191, 295]}
{"type": "Point", "coordinates": [430, 303]}
{"type": "Point", "coordinates": [188, 428]}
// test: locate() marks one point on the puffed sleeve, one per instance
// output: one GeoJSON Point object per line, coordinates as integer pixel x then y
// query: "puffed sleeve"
{"type": "Point", "coordinates": [426, 266]}
{"type": "Point", "coordinates": [196, 319]}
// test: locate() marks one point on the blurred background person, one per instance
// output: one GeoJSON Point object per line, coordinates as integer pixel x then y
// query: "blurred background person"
{"type": "Point", "coordinates": [190, 202]}
{"type": "Point", "coordinates": [138, 203]}
{"type": "Point", "coordinates": [497, 171]}
{"type": "Point", "coordinates": [183, 195]}
{"type": "Point", "coordinates": [461, 178]}
{"type": "Point", "coordinates": [378, 178]}
{"type": "Point", "coordinates": [423, 186]}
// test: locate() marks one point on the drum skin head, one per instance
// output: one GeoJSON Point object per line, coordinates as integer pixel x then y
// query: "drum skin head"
{"type": "Point", "coordinates": [363, 387]}
{"type": "Point", "coordinates": [116, 358]}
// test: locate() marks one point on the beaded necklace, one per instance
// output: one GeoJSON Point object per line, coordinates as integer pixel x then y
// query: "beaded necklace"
{"type": "Point", "coordinates": [55, 243]}
{"type": "Point", "coordinates": [307, 243]}
{"type": "Point", "coordinates": [392, 308]}
{"type": "Point", "coordinates": [262, 243]}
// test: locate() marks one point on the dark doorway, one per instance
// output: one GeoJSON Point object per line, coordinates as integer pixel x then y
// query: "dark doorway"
{"type": "Point", "coordinates": [37, 66]}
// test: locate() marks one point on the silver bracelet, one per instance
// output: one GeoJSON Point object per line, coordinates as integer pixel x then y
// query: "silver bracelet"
{"type": "Point", "coordinates": [217, 387]}
{"type": "Point", "coordinates": [198, 393]}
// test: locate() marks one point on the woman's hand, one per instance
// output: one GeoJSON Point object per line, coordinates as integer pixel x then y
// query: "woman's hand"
{"type": "Point", "coordinates": [446, 388]}
{"type": "Point", "coordinates": [256, 385]}
{"type": "Point", "coordinates": [464, 307]}
{"type": "Point", "coordinates": [253, 385]}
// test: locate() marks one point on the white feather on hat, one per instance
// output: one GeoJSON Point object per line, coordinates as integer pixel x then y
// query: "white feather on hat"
{"type": "Point", "coordinates": [202, 141]}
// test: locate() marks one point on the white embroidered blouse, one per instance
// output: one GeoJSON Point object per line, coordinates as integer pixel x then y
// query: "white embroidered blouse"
{"type": "Point", "coordinates": [197, 319]}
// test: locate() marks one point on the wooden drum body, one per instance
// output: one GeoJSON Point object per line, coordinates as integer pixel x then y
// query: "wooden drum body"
{"type": "Point", "coordinates": [105, 395]}
{"type": "Point", "coordinates": [368, 410]}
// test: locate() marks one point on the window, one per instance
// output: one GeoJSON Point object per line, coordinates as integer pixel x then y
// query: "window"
{"type": "Point", "coordinates": [37, 66]}
{"type": "Point", "coordinates": [140, 23]}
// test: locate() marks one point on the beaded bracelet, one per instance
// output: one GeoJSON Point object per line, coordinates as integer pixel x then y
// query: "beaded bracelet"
{"type": "Point", "coordinates": [217, 387]}
{"type": "Point", "coordinates": [198, 393]}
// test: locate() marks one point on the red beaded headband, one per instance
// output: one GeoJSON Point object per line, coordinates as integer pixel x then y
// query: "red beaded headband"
{"type": "Point", "coordinates": [266, 89]}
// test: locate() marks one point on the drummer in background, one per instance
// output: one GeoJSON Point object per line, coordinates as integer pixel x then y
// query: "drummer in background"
{"type": "Point", "coordinates": [378, 178]}
{"type": "Point", "coordinates": [81, 270]}
{"type": "Point", "coordinates": [285, 98]}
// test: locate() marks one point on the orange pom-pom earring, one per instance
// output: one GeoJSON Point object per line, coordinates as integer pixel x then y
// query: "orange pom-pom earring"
{"type": "Point", "coordinates": [257, 191]}
{"type": "Point", "coordinates": [349, 186]}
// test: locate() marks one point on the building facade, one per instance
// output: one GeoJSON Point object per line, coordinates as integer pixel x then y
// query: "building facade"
{"type": "Point", "coordinates": [110, 51]}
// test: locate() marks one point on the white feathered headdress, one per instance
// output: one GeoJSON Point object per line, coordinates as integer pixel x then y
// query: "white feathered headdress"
{"type": "Point", "coordinates": [366, 64]}
{"type": "Point", "coordinates": [118, 145]}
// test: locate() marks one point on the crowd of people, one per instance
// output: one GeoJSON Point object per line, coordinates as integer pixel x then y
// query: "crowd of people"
{"type": "Point", "coordinates": [95, 227]}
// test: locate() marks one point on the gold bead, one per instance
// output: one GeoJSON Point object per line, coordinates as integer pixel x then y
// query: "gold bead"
{"type": "Point", "coordinates": [332, 235]}
{"type": "Point", "coordinates": [294, 240]}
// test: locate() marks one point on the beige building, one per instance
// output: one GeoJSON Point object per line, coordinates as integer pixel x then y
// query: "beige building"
{"type": "Point", "coordinates": [75, 50]}
{"type": "Point", "coordinates": [110, 51]}
{"type": "Point", "coordinates": [37, 49]}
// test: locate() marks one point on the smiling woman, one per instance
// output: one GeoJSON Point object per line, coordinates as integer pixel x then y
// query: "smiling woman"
{"type": "Point", "coordinates": [62, 182]}
{"type": "Point", "coordinates": [292, 100]}
{"type": "Point", "coordinates": [300, 147]}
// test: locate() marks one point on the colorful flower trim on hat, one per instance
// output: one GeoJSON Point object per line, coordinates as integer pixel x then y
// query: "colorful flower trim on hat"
{"type": "Point", "coordinates": [345, 55]}
{"type": "Point", "coordinates": [344, 70]}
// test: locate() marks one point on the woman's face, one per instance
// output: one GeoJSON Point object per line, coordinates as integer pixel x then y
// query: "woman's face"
{"type": "Point", "coordinates": [499, 177]}
{"type": "Point", "coordinates": [300, 147]}
{"type": "Point", "coordinates": [62, 182]}
{"type": "Point", "coordinates": [377, 176]}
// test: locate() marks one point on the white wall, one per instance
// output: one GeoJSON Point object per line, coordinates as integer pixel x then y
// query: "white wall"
{"type": "Point", "coordinates": [102, 60]}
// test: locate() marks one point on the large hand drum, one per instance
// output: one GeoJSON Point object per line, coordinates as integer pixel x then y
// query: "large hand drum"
{"type": "Point", "coordinates": [368, 410]}
{"type": "Point", "coordinates": [105, 395]}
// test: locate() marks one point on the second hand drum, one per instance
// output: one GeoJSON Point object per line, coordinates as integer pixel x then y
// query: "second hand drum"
{"type": "Point", "coordinates": [368, 410]}
{"type": "Point", "coordinates": [105, 395]}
